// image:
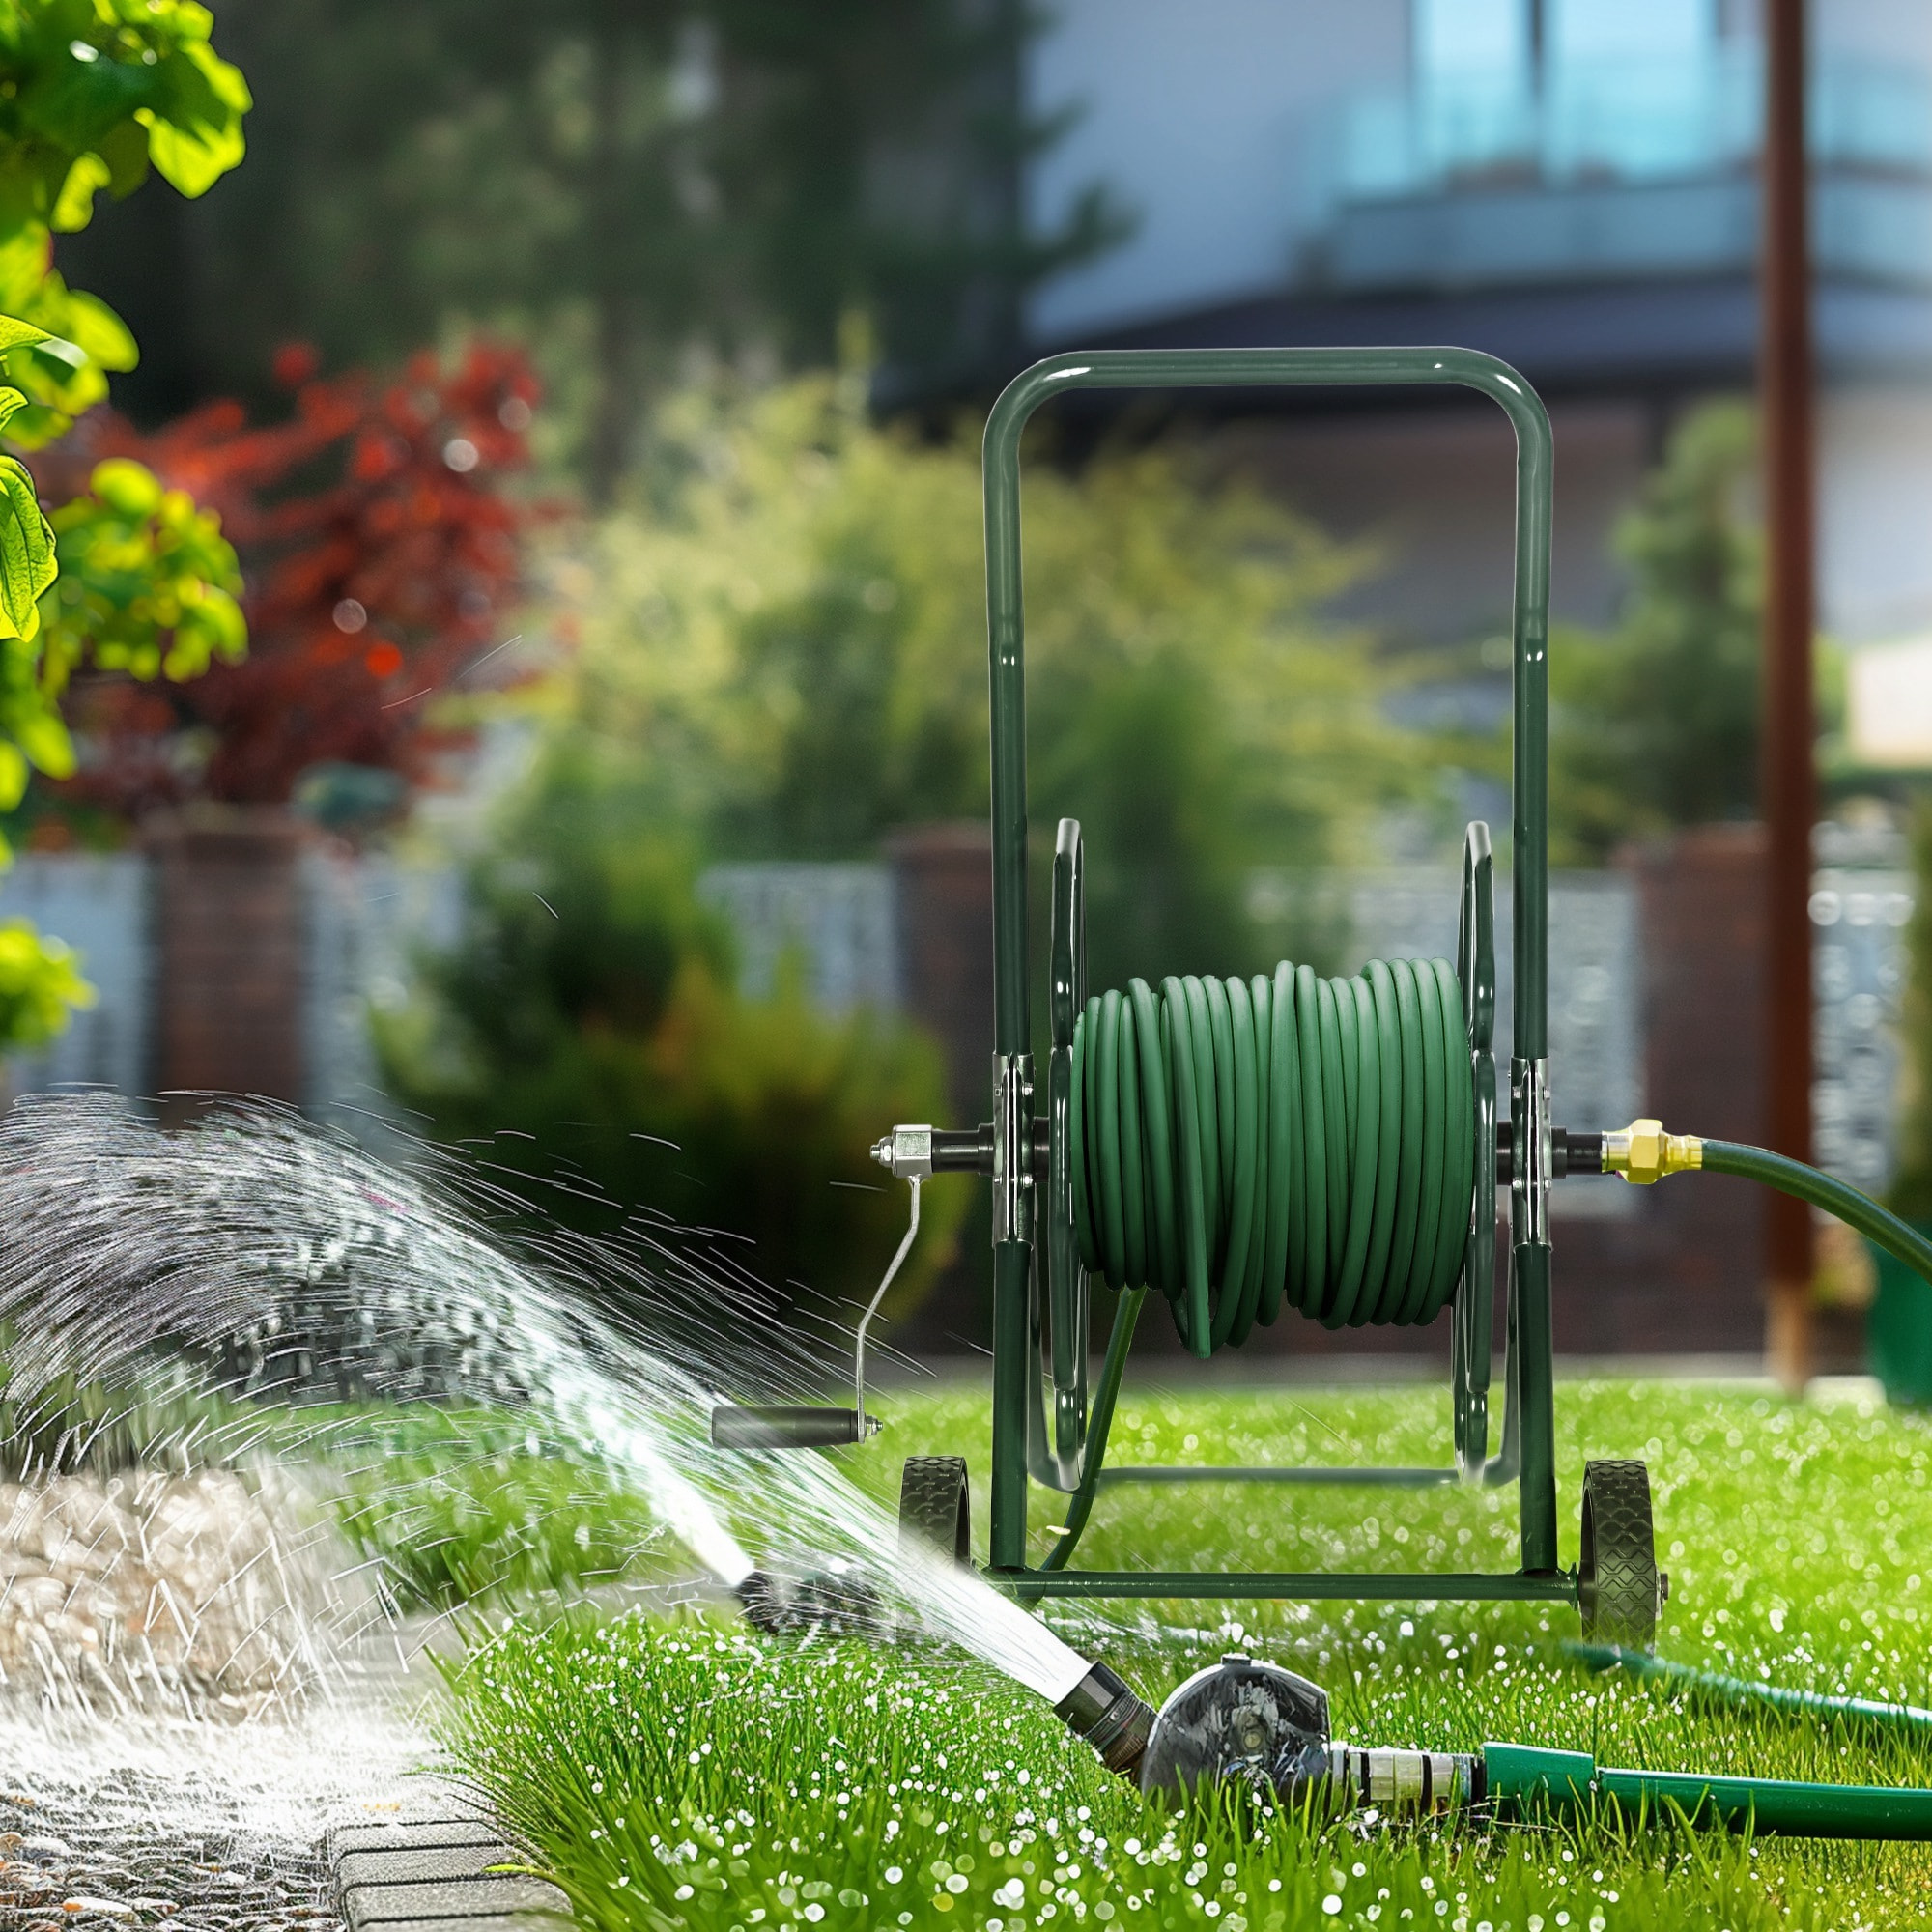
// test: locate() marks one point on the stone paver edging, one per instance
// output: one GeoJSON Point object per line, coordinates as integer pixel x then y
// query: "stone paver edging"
{"type": "Point", "coordinates": [432, 1874]}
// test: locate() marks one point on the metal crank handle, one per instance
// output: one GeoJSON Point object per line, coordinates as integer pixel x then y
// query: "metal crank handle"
{"type": "Point", "coordinates": [908, 1153]}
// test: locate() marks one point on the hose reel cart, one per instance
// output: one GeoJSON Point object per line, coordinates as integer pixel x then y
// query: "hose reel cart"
{"type": "Point", "coordinates": [1422, 1101]}
{"type": "Point", "coordinates": [1339, 1147]}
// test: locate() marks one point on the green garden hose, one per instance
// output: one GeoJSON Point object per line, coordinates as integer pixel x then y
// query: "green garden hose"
{"type": "Point", "coordinates": [1239, 1144]}
{"type": "Point", "coordinates": [1715, 1686]}
{"type": "Point", "coordinates": [1643, 1152]}
{"type": "Point", "coordinates": [1525, 1778]}
{"type": "Point", "coordinates": [1858, 1211]}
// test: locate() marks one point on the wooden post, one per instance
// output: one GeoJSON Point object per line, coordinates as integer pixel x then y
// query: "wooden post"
{"type": "Point", "coordinates": [1789, 784]}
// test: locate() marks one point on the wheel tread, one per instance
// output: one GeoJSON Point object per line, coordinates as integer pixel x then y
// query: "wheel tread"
{"type": "Point", "coordinates": [1619, 1566]}
{"type": "Point", "coordinates": [934, 1505]}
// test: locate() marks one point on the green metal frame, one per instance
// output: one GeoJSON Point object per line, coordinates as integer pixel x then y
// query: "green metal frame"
{"type": "Point", "coordinates": [1069, 1456]}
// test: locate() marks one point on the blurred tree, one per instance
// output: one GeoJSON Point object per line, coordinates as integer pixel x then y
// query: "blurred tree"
{"type": "Point", "coordinates": [618, 185]}
{"type": "Point", "coordinates": [384, 553]}
{"type": "Point", "coordinates": [789, 638]}
{"type": "Point", "coordinates": [584, 1030]}
{"type": "Point", "coordinates": [1655, 723]}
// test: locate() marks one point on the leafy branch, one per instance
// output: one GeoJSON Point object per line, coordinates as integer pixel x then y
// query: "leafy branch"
{"type": "Point", "coordinates": [93, 95]}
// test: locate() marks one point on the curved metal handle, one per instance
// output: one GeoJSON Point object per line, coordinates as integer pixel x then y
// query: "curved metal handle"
{"type": "Point", "coordinates": [1016, 1251]}
{"type": "Point", "coordinates": [1271, 368]}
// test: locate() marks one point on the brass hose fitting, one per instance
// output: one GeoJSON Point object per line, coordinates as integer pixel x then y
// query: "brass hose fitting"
{"type": "Point", "coordinates": [1643, 1152]}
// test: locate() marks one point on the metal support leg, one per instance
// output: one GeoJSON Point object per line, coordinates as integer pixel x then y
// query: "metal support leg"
{"type": "Point", "coordinates": [1013, 1362]}
{"type": "Point", "coordinates": [1537, 1488]}
{"type": "Point", "coordinates": [1507, 1462]}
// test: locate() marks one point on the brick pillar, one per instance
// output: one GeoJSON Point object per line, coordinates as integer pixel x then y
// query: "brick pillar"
{"type": "Point", "coordinates": [1680, 1274]}
{"type": "Point", "coordinates": [943, 881]}
{"type": "Point", "coordinates": [228, 947]}
{"type": "Point", "coordinates": [1702, 907]}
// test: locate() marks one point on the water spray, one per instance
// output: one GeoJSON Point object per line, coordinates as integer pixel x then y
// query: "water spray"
{"type": "Point", "coordinates": [1253, 1725]}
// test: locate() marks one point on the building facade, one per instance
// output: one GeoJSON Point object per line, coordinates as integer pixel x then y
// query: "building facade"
{"type": "Point", "coordinates": [1569, 184]}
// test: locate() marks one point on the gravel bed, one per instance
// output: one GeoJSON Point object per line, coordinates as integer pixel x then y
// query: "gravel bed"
{"type": "Point", "coordinates": [196, 1688]}
{"type": "Point", "coordinates": [188, 1704]}
{"type": "Point", "coordinates": [117, 1853]}
{"type": "Point", "coordinates": [148, 1591]}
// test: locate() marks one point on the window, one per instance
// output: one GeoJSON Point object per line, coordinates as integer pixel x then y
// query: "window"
{"type": "Point", "coordinates": [1645, 30]}
{"type": "Point", "coordinates": [1464, 36]}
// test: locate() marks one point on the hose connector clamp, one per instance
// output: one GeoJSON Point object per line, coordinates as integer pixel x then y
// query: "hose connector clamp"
{"type": "Point", "coordinates": [1533, 1149]}
{"type": "Point", "coordinates": [1643, 1153]}
{"type": "Point", "coordinates": [1012, 1146]}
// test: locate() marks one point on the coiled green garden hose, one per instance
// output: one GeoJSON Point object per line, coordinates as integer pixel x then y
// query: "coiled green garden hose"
{"type": "Point", "coordinates": [1239, 1144]}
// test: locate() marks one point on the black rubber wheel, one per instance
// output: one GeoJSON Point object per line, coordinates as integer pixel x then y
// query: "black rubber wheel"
{"type": "Point", "coordinates": [1621, 1591]}
{"type": "Point", "coordinates": [933, 1505]}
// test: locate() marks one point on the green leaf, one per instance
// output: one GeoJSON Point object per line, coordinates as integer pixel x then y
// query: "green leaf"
{"type": "Point", "coordinates": [12, 776]}
{"type": "Point", "coordinates": [92, 328]}
{"type": "Point", "coordinates": [74, 209]}
{"type": "Point", "coordinates": [12, 402]}
{"type": "Point", "coordinates": [196, 137]}
{"type": "Point", "coordinates": [40, 983]}
{"type": "Point", "coordinates": [125, 486]}
{"type": "Point", "coordinates": [18, 334]}
{"type": "Point", "coordinates": [27, 563]}
{"type": "Point", "coordinates": [194, 162]}
{"type": "Point", "coordinates": [125, 150]}
{"type": "Point", "coordinates": [44, 738]}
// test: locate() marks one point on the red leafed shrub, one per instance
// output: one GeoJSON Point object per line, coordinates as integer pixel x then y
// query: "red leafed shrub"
{"type": "Point", "coordinates": [380, 553]}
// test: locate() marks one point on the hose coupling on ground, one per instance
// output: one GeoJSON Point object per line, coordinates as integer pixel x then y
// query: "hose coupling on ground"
{"type": "Point", "coordinates": [1643, 1152]}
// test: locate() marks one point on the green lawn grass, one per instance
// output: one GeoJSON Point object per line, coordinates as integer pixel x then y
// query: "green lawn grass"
{"type": "Point", "coordinates": [682, 1772]}
{"type": "Point", "coordinates": [465, 1508]}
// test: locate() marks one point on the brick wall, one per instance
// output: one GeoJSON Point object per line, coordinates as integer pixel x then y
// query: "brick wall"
{"type": "Point", "coordinates": [1682, 1271]}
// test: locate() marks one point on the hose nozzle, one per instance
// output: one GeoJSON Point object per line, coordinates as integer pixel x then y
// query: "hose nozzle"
{"type": "Point", "coordinates": [1112, 1716]}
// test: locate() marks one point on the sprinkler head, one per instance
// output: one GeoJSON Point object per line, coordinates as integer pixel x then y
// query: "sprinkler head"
{"type": "Point", "coordinates": [759, 1598]}
{"type": "Point", "coordinates": [1242, 1720]}
{"type": "Point", "coordinates": [1105, 1709]}
{"type": "Point", "coordinates": [1257, 1724]}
